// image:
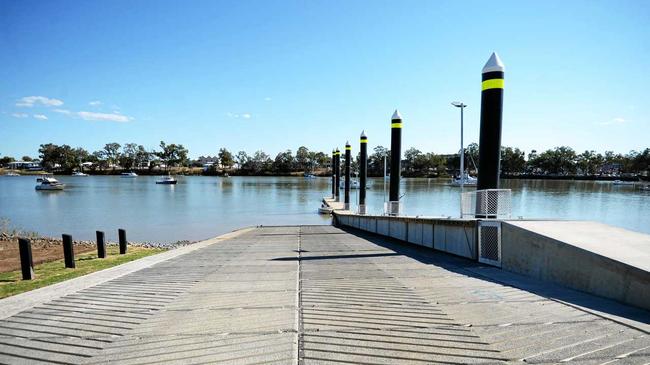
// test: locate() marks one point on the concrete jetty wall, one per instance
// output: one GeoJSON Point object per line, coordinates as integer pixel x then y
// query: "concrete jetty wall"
{"type": "Point", "coordinates": [455, 236]}
{"type": "Point", "coordinates": [592, 257]}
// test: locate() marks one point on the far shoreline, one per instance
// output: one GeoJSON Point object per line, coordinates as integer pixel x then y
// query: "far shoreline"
{"type": "Point", "coordinates": [234, 172]}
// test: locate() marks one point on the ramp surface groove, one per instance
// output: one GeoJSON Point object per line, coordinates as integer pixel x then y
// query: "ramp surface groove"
{"type": "Point", "coordinates": [315, 295]}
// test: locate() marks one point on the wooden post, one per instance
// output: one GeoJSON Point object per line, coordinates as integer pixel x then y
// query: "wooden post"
{"type": "Point", "coordinates": [101, 245]}
{"type": "Point", "coordinates": [26, 262]}
{"type": "Point", "coordinates": [122, 235]}
{"type": "Point", "coordinates": [68, 251]}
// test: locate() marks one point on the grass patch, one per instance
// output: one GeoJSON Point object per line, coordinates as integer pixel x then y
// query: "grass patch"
{"type": "Point", "coordinates": [53, 272]}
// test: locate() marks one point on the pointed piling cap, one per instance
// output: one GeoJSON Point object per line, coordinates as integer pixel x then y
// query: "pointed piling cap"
{"type": "Point", "coordinates": [337, 149]}
{"type": "Point", "coordinates": [363, 134]}
{"type": "Point", "coordinates": [494, 64]}
{"type": "Point", "coordinates": [396, 116]}
{"type": "Point", "coordinates": [347, 143]}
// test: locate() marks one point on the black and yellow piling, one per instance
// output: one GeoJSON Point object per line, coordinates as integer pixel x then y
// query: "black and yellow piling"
{"type": "Point", "coordinates": [363, 172]}
{"type": "Point", "coordinates": [491, 119]}
{"type": "Point", "coordinates": [348, 158]}
{"type": "Point", "coordinates": [332, 166]}
{"type": "Point", "coordinates": [338, 174]}
{"type": "Point", "coordinates": [395, 163]}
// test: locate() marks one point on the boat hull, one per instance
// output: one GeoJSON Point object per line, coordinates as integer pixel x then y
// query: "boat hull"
{"type": "Point", "coordinates": [325, 210]}
{"type": "Point", "coordinates": [166, 182]}
{"type": "Point", "coordinates": [50, 187]}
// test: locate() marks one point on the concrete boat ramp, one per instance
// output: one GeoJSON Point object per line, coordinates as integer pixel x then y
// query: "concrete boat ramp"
{"type": "Point", "coordinates": [315, 295]}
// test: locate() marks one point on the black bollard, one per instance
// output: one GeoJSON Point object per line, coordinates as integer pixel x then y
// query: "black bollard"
{"type": "Point", "coordinates": [122, 236]}
{"type": "Point", "coordinates": [333, 174]}
{"type": "Point", "coordinates": [338, 174]}
{"type": "Point", "coordinates": [26, 262]}
{"type": "Point", "coordinates": [68, 251]}
{"type": "Point", "coordinates": [101, 245]}
{"type": "Point", "coordinates": [348, 157]}
{"type": "Point", "coordinates": [489, 152]}
{"type": "Point", "coordinates": [395, 163]}
{"type": "Point", "coordinates": [363, 172]}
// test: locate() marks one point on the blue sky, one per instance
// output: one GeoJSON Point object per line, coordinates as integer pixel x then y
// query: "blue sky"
{"type": "Point", "coordinates": [273, 75]}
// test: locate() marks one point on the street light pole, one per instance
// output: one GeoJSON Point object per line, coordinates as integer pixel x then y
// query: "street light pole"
{"type": "Point", "coordinates": [462, 154]}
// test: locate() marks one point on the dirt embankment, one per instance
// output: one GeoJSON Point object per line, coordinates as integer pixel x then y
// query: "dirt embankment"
{"type": "Point", "coordinates": [43, 250]}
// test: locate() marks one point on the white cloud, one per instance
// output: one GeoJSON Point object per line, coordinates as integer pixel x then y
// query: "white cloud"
{"type": "Point", "coordinates": [40, 116]}
{"type": "Point", "coordinates": [239, 115]}
{"type": "Point", "coordinates": [30, 101]}
{"type": "Point", "coordinates": [19, 115]}
{"type": "Point", "coordinates": [62, 111]}
{"type": "Point", "coordinates": [95, 103]}
{"type": "Point", "coordinates": [617, 120]}
{"type": "Point", "coordinates": [106, 117]}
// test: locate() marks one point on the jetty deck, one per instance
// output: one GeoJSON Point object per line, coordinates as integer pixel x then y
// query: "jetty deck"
{"type": "Point", "coordinates": [316, 295]}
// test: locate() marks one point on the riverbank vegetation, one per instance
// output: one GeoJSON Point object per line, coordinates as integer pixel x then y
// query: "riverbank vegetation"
{"type": "Point", "coordinates": [172, 158]}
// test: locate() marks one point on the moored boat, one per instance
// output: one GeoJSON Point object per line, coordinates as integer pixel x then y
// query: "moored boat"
{"type": "Point", "coordinates": [621, 182]}
{"type": "Point", "coordinates": [79, 173]}
{"type": "Point", "coordinates": [167, 180]}
{"type": "Point", "coordinates": [128, 174]}
{"type": "Point", "coordinates": [49, 183]}
{"type": "Point", "coordinates": [324, 209]}
{"type": "Point", "coordinates": [466, 180]}
{"type": "Point", "coordinates": [354, 184]}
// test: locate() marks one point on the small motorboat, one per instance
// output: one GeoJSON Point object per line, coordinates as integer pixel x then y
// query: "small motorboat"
{"type": "Point", "coordinates": [354, 184]}
{"type": "Point", "coordinates": [128, 174]}
{"type": "Point", "coordinates": [49, 183]}
{"type": "Point", "coordinates": [167, 180]}
{"type": "Point", "coordinates": [621, 182]}
{"type": "Point", "coordinates": [309, 176]}
{"type": "Point", "coordinates": [79, 173]}
{"type": "Point", "coordinates": [466, 180]}
{"type": "Point", "coordinates": [324, 209]}
{"type": "Point", "coordinates": [11, 173]}
{"type": "Point", "coordinates": [645, 187]}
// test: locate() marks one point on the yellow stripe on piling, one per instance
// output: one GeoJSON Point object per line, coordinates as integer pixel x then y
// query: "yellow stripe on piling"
{"type": "Point", "coordinates": [492, 84]}
{"type": "Point", "coordinates": [348, 148]}
{"type": "Point", "coordinates": [364, 141]}
{"type": "Point", "coordinates": [396, 125]}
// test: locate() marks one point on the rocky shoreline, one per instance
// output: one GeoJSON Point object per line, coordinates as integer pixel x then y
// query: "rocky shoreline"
{"type": "Point", "coordinates": [40, 241]}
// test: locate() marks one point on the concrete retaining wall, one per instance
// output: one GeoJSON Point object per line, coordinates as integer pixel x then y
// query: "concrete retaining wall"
{"type": "Point", "coordinates": [455, 236]}
{"type": "Point", "coordinates": [533, 254]}
{"type": "Point", "coordinates": [572, 259]}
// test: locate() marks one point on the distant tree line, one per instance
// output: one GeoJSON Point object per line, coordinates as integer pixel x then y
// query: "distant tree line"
{"type": "Point", "coordinates": [130, 156]}
{"type": "Point", "coordinates": [558, 161]}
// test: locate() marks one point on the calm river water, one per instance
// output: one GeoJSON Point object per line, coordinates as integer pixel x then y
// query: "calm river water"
{"type": "Point", "coordinates": [201, 207]}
